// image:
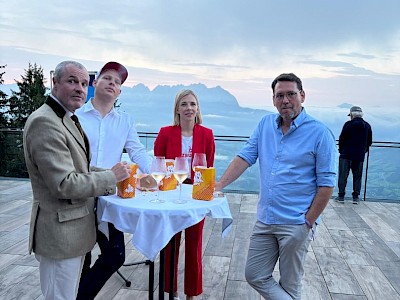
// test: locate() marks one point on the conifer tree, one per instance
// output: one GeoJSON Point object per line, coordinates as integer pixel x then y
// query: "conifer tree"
{"type": "Point", "coordinates": [31, 95]}
{"type": "Point", "coordinates": [3, 102]}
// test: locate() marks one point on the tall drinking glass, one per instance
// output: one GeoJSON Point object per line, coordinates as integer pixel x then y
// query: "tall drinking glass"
{"type": "Point", "coordinates": [181, 172]}
{"type": "Point", "coordinates": [199, 160]}
{"type": "Point", "coordinates": [158, 171]}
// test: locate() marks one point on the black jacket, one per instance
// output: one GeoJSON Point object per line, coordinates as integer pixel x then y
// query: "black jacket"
{"type": "Point", "coordinates": [355, 139]}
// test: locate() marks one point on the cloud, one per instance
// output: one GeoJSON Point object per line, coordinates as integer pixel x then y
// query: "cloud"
{"type": "Point", "coordinates": [358, 55]}
{"type": "Point", "coordinates": [214, 116]}
{"type": "Point", "coordinates": [239, 45]}
{"type": "Point", "coordinates": [339, 67]}
{"type": "Point", "coordinates": [193, 64]}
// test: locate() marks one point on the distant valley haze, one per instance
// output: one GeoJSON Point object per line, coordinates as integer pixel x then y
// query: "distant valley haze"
{"type": "Point", "coordinates": [153, 108]}
{"type": "Point", "coordinates": [222, 112]}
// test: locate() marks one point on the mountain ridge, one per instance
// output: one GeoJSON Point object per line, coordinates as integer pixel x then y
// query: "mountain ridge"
{"type": "Point", "coordinates": [153, 108]}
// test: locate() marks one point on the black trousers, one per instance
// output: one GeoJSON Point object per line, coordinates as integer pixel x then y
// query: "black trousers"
{"type": "Point", "coordinates": [356, 167]}
{"type": "Point", "coordinates": [112, 257]}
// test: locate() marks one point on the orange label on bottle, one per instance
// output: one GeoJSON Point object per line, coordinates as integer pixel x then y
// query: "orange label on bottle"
{"type": "Point", "coordinates": [126, 188]}
{"type": "Point", "coordinates": [203, 183]}
{"type": "Point", "coordinates": [169, 182]}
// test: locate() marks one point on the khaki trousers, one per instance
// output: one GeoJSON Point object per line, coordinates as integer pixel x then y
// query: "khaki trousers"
{"type": "Point", "coordinates": [268, 243]}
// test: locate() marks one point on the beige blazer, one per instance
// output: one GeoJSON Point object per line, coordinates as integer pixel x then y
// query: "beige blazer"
{"type": "Point", "coordinates": [62, 220]}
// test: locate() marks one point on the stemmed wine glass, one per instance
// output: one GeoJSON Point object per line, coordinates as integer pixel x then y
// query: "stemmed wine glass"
{"type": "Point", "coordinates": [158, 170]}
{"type": "Point", "coordinates": [199, 160]}
{"type": "Point", "coordinates": [181, 172]}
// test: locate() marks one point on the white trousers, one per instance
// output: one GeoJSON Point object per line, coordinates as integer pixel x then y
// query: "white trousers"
{"type": "Point", "coordinates": [59, 278]}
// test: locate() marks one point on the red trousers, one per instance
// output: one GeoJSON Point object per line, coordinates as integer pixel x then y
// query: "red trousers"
{"type": "Point", "coordinates": [193, 284]}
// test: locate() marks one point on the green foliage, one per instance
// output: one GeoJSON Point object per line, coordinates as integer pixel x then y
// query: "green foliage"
{"type": "Point", "coordinates": [3, 102]}
{"type": "Point", "coordinates": [31, 95]}
{"type": "Point", "coordinates": [12, 163]}
{"type": "Point", "coordinates": [14, 111]}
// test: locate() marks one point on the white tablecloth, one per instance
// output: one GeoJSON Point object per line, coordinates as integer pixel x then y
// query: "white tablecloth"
{"type": "Point", "coordinates": [154, 224]}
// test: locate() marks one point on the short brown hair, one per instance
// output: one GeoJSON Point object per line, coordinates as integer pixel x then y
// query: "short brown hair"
{"type": "Point", "coordinates": [287, 77]}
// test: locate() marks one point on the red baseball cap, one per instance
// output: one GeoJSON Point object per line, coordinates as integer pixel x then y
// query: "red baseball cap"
{"type": "Point", "coordinates": [112, 65]}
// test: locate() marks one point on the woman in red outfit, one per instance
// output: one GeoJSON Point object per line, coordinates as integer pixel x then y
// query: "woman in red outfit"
{"type": "Point", "coordinates": [185, 138]}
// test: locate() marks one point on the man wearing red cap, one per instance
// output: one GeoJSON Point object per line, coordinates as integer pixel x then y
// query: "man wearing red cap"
{"type": "Point", "coordinates": [109, 131]}
{"type": "Point", "coordinates": [62, 227]}
{"type": "Point", "coordinates": [354, 142]}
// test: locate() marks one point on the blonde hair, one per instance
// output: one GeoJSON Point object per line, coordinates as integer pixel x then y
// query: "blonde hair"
{"type": "Point", "coordinates": [178, 98]}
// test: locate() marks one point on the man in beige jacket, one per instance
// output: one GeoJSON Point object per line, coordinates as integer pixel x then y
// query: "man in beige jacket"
{"type": "Point", "coordinates": [57, 154]}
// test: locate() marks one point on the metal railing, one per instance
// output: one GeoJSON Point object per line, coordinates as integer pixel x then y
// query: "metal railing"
{"type": "Point", "coordinates": [381, 176]}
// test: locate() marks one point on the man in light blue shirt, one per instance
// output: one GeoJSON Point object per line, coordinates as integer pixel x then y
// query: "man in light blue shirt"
{"type": "Point", "coordinates": [297, 175]}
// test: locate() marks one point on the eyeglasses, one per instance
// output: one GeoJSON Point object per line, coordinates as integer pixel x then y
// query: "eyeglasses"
{"type": "Point", "coordinates": [289, 95]}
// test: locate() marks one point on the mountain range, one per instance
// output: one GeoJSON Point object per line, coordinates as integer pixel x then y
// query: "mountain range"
{"type": "Point", "coordinates": [221, 111]}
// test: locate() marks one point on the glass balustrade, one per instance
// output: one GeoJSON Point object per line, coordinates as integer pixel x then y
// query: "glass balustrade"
{"type": "Point", "coordinates": [381, 175]}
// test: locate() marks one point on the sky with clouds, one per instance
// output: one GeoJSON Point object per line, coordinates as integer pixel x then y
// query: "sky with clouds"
{"type": "Point", "coordinates": [344, 50]}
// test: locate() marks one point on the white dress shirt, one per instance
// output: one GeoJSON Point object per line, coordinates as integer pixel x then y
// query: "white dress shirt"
{"type": "Point", "coordinates": [108, 137]}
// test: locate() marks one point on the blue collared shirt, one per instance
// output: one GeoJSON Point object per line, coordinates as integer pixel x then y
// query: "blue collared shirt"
{"type": "Point", "coordinates": [292, 166]}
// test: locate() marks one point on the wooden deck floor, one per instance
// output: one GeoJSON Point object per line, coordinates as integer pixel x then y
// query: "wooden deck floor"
{"type": "Point", "coordinates": [356, 253]}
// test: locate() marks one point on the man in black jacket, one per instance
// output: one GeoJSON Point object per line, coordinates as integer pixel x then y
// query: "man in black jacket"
{"type": "Point", "coordinates": [354, 141]}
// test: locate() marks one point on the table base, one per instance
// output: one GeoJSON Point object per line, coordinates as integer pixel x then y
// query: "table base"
{"type": "Point", "coordinates": [151, 275]}
{"type": "Point", "coordinates": [160, 274]}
